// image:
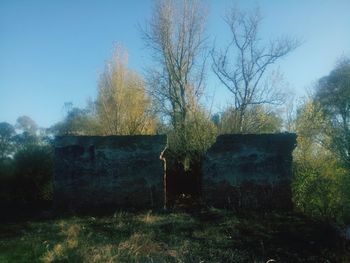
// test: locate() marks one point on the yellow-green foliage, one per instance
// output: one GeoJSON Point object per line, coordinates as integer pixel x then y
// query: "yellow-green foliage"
{"type": "Point", "coordinates": [256, 119]}
{"type": "Point", "coordinates": [196, 135]}
{"type": "Point", "coordinates": [123, 107]}
{"type": "Point", "coordinates": [319, 179]}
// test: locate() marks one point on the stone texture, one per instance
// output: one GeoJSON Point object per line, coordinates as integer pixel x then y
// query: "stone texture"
{"type": "Point", "coordinates": [238, 172]}
{"type": "Point", "coordinates": [249, 171]}
{"type": "Point", "coordinates": [108, 172]}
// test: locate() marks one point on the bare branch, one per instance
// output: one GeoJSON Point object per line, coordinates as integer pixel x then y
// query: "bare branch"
{"type": "Point", "coordinates": [175, 34]}
{"type": "Point", "coordinates": [244, 63]}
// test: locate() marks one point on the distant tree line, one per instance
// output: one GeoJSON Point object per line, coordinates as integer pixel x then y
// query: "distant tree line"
{"type": "Point", "coordinates": [26, 161]}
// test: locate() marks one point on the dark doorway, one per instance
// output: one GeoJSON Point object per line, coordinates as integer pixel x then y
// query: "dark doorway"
{"type": "Point", "coordinates": [182, 181]}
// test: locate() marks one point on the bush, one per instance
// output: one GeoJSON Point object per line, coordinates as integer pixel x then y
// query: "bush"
{"type": "Point", "coordinates": [192, 140]}
{"type": "Point", "coordinates": [33, 174]}
{"type": "Point", "coordinates": [6, 180]}
{"type": "Point", "coordinates": [320, 188]}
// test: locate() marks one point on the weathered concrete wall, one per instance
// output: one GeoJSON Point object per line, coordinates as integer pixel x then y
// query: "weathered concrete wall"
{"type": "Point", "coordinates": [238, 171]}
{"type": "Point", "coordinates": [112, 171]}
{"type": "Point", "coordinates": [249, 171]}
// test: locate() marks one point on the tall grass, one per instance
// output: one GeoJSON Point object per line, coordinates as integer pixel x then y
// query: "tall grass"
{"type": "Point", "coordinates": [210, 236]}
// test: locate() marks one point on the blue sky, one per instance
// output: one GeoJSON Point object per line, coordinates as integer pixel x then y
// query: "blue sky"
{"type": "Point", "coordinates": [51, 52]}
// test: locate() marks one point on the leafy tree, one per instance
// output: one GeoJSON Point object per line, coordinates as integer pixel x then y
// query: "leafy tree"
{"type": "Point", "coordinates": [28, 132]}
{"type": "Point", "coordinates": [26, 166]}
{"type": "Point", "coordinates": [7, 149]}
{"type": "Point", "coordinates": [26, 124]}
{"type": "Point", "coordinates": [123, 107]}
{"type": "Point", "coordinates": [33, 173]}
{"type": "Point", "coordinates": [200, 133]}
{"type": "Point", "coordinates": [258, 119]}
{"type": "Point", "coordinates": [319, 177]}
{"type": "Point", "coordinates": [333, 95]}
{"type": "Point", "coordinates": [242, 65]}
{"type": "Point", "coordinates": [77, 122]}
{"type": "Point", "coordinates": [6, 181]}
{"type": "Point", "coordinates": [7, 131]}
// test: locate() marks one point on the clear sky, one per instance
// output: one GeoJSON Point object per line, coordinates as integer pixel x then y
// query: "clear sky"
{"type": "Point", "coordinates": [51, 52]}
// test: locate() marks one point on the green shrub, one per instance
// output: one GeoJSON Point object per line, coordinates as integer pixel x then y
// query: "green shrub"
{"type": "Point", "coordinates": [7, 181]}
{"type": "Point", "coordinates": [33, 174]}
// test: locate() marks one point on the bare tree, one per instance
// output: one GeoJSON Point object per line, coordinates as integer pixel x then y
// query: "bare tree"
{"type": "Point", "coordinates": [175, 34]}
{"type": "Point", "coordinates": [243, 64]}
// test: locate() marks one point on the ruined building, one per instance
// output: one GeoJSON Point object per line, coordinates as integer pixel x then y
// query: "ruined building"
{"type": "Point", "coordinates": [249, 171]}
{"type": "Point", "coordinates": [239, 172]}
{"type": "Point", "coordinates": [108, 171]}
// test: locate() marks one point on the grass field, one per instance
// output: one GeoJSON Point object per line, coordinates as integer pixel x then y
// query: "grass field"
{"type": "Point", "coordinates": [207, 236]}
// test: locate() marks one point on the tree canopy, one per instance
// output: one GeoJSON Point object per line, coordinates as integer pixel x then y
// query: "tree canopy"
{"type": "Point", "coordinates": [123, 106]}
{"type": "Point", "coordinates": [333, 95]}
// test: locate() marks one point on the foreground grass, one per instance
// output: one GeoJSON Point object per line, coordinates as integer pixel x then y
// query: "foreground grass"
{"type": "Point", "coordinates": [210, 236]}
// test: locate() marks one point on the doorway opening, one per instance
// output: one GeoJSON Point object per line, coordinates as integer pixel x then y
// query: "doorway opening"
{"type": "Point", "coordinates": [182, 181]}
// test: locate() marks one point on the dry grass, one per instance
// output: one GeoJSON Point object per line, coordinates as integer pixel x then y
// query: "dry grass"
{"type": "Point", "coordinates": [150, 218]}
{"type": "Point", "coordinates": [141, 247]}
{"type": "Point", "coordinates": [213, 236]}
{"type": "Point", "coordinates": [71, 241]}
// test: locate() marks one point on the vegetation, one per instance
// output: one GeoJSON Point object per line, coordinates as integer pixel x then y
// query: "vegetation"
{"type": "Point", "coordinates": [77, 122]}
{"type": "Point", "coordinates": [241, 67]}
{"type": "Point", "coordinates": [258, 119]}
{"type": "Point", "coordinates": [209, 236]}
{"type": "Point", "coordinates": [321, 185]}
{"type": "Point", "coordinates": [176, 37]}
{"type": "Point", "coordinates": [123, 107]}
{"type": "Point", "coordinates": [333, 95]}
{"type": "Point", "coordinates": [26, 165]}
{"type": "Point", "coordinates": [168, 100]}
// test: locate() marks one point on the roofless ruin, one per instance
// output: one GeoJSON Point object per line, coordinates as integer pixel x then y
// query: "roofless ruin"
{"type": "Point", "coordinates": [238, 172]}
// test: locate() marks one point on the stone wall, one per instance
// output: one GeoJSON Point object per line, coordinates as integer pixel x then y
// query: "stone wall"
{"type": "Point", "coordinates": [238, 172]}
{"type": "Point", "coordinates": [108, 172]}
{"type": "Point", "coordinates": [249, 171]}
